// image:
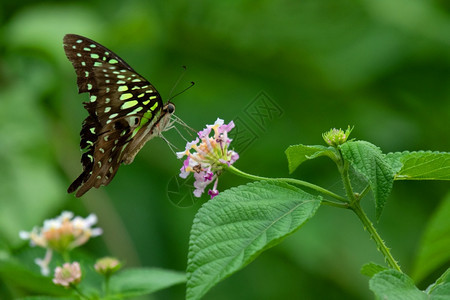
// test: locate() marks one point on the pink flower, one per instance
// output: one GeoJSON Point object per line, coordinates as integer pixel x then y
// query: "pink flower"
{"type": "Point", "coordinates": [61, 234]}
{"type": "Point", "coordinates": [210, 155]}
{"type": "Point", "coordinates": [68, 274]}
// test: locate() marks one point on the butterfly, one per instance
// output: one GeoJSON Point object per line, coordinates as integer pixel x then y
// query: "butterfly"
{"type": "Point", "coordinates": [125, 111]}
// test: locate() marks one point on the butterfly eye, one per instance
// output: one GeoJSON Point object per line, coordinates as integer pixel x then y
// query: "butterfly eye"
{"type": "Point", "coordinates": [170, 108]}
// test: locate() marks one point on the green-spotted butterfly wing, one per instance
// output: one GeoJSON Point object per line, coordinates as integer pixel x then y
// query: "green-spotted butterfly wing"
{"type": "Point", "coordinates": [125, 111]}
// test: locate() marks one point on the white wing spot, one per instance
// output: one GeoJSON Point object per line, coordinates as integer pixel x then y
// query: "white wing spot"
{"type": "Point", "coordinates": [121, 76]}
{"type": "Point", "coordinates": [122, 88]}
{"type": "Point", "coordinates": [93, 98]}
{"type": "Point", "coordinates": [87, 49]}
{"type": "Point", "coordinates": [89, 86]}
{"type": "Point", "coordinates": [136, 80]}
{"type": "Point", "coordinates": [94, 55]}
{"type": "Point", "coordinates": [120, 82]}
{"type": "Point", "coordinates": [79, 41]}
{"type": "Point", "coordinates": [107, 100]}
{"type": "Point", "coordinates": [113, 61]}
{"type": "Point", "coordinates": [112, 116]}
{"type": "Point", "coordinates": [106, 137]}
{"type": "Point", "coordinates": [98, 64]}
{"type": "Point", "coordinates": [86, 73]}
{"type": "Point", "coordinates": [79, 54]}
{"type": "Point", "coordinates": [83, 64]}
{"type": "Point", "coordinates": [107, 109]}
{"type": "Point", "coordinates": [101, 150]}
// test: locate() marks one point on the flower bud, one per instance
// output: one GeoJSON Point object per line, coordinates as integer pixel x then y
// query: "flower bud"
{"type": "Point", "coordinates": [336, 137]}
{"type": "Point", "coordinates": [107, 265]}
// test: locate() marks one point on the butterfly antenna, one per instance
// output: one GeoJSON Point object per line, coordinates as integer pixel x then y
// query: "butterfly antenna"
{"type": "Point", "coordinates": [191, 85]}
{"type": "Point", "coordinates": [177, 82]}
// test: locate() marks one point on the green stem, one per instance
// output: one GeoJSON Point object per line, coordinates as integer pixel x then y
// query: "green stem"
{"type": "Point", "coordinates": [66, 256]}
{"type": "Point", "coordinates": [375, 236]}
{"type": "Point", "coordinates": [77, 290]}
{"type": "Point", "coordinates": [364, 192]}
{"type": "Point", "coordinates": [107, 285]}
{"type": "Point", "coordinates": [289, 180]}
{"type": "Point", "coordinates": [347, 184]}
{"type": "Point", "coordinates": [356, 207]}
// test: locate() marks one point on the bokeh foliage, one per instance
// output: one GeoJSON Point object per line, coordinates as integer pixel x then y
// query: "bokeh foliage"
{"type": "Point", "coordinates": [382, 66]}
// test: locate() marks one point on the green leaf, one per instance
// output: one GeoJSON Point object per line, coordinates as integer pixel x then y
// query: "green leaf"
{"type": "Point", "coordinates": [369, 161]}
{"type": "Point", "coordinates": [18, 275]}
{"type": "Point", "coordinates": [434, 248]}
{"type": "Point", "coordinates": [422, 165]}
{"type": "Point", "coordinates": [232, 229]}
{"type": "Point", "coordinates": [392, 285]}
{"type": "Point", "coordinates": [371, 269]}
{"type": "Point", "coordinates": [297, 154]}
{"type": "Point", "coordinates": [443, 280]}
{"type": "Point", "coordinates": [136, 282]}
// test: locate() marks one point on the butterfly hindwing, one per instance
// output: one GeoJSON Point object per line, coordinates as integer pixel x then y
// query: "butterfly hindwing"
{"type": "Point", "coordinates": [122, 104]}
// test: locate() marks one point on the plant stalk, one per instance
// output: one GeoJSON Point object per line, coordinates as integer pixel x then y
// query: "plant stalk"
{"type": "Point", "coordinates": [375, 236]}
{"type": "Point", "coordinates": [289, 180]}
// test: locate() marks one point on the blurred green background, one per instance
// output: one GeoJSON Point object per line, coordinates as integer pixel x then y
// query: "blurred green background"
{"type": "Point", "coordinates": [382, 66]}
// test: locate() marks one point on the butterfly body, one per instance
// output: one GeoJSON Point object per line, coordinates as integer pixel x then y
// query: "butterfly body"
{"type": "Point", "coordinates": [125, 111]}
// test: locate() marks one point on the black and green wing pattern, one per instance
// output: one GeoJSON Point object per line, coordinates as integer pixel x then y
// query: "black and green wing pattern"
{"type": "Point", "coordinates": [125, 111]}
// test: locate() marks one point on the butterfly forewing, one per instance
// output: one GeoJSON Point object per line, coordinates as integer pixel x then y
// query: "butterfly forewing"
{"type": "Point", "coordinates": [123, 106]}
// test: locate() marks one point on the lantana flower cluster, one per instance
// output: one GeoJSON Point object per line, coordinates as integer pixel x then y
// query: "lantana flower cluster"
{"type": "Point", "coordinates": [67, 275]}
{"type": "Point", "coordinates": [210, 154]}
{"type": "Point", "coordinates": [336, 137]}
{"type": "Point", "coordinates": [61, 234]}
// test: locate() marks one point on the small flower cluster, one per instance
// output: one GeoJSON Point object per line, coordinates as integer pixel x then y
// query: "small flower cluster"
{"type": "Point", "coordinates": [67, 275]}
{"type": "Point", "coordinates": [210, 156]}
{"type": "Point", "coordinates": [61, 234]}
{"type": "Point", "coordinates": [336, 137]}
